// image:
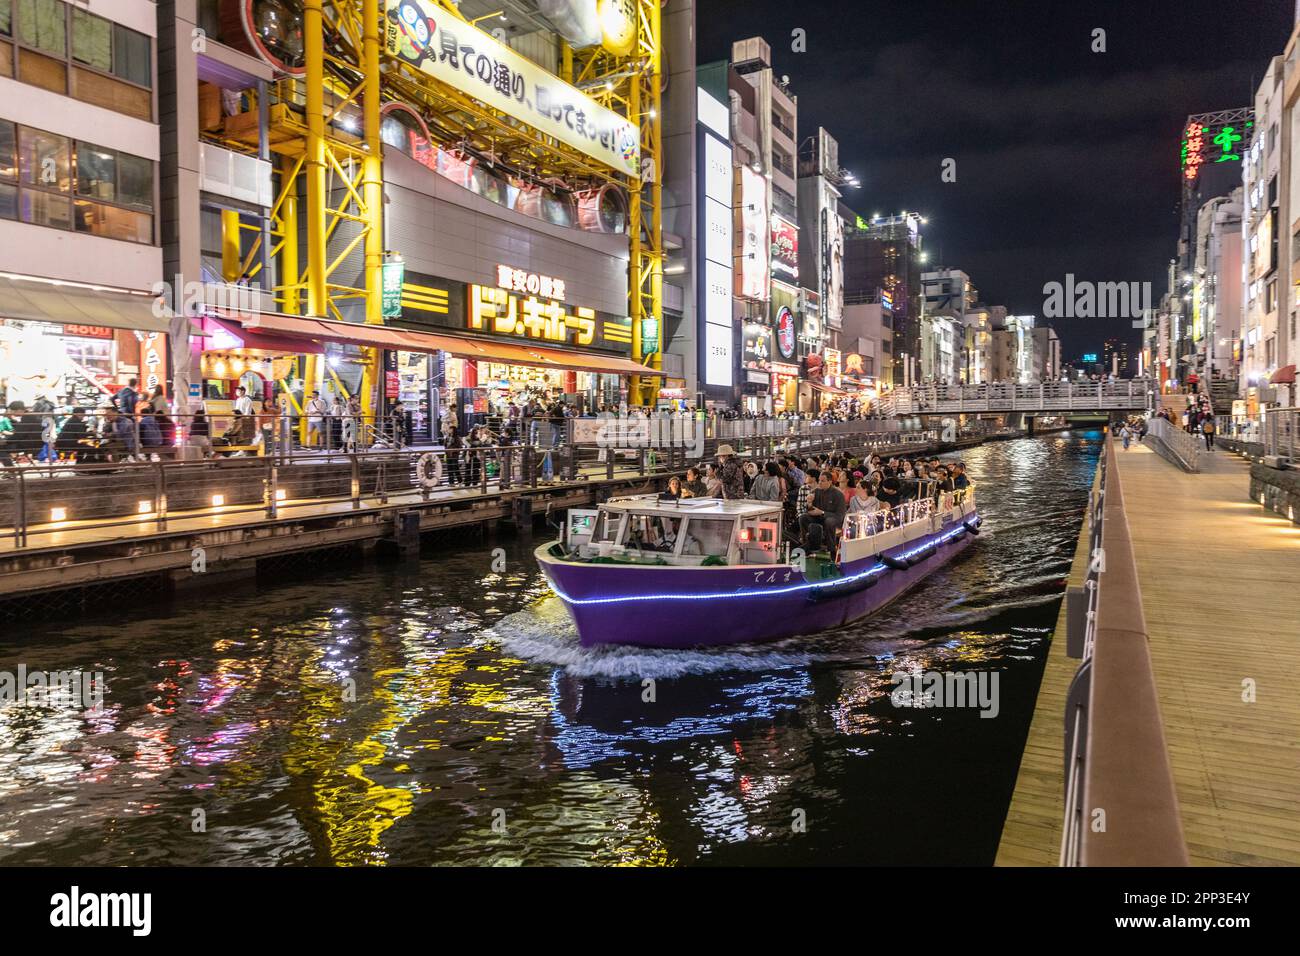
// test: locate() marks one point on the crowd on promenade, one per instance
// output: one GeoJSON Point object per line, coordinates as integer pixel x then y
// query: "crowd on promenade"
{"type": "Point", "coordinates": [819, 492]}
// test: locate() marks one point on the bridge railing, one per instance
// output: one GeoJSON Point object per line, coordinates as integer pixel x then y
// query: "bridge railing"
{"type": "Point", "coordinates": [1045, 396]}
{"type": "Point", "coordinates": [1121, 806]}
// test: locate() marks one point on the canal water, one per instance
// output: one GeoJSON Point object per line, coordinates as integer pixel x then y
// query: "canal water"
{"type": "Point", "coordinates": [444, 713]}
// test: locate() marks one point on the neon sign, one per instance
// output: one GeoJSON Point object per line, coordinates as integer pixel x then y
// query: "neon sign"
{"type": "Point", "coordinates": [1203, 144]}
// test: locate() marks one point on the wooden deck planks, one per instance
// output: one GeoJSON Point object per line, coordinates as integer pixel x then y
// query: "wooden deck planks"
{"type": "Point", "coordinates": [1220, 582]}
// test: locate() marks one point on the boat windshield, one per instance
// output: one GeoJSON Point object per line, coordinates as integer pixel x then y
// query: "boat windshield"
{"type": "Point", "coordinates": [712, 536]}
{"type": "Point", "coordinates": [653, 532]}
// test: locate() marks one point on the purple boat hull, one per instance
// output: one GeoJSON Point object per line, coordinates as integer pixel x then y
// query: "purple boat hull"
{"type": "Point", "coordinates": [662, 606]}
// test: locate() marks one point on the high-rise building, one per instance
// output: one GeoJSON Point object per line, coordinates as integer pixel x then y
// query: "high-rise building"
{"type": "Point", "coordinates": [1114, 358]}
{"type": "Point", "coordinates": [883, 261]}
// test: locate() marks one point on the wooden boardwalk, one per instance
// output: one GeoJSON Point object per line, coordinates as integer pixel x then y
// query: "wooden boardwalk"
{"type": "Point", "coordinates": [1220, 584]}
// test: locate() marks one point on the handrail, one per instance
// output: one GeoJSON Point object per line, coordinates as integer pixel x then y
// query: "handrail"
{"type": "Point", "coordinates": [1121, 802]}
{"type": "Point", "coordinates": [1175, 444]}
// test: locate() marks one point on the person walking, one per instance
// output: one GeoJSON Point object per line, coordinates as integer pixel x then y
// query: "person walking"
{"type": "Point", "coordinates": [1207, 430]}
{"type": "Point", "coordinates": [1125, 435]}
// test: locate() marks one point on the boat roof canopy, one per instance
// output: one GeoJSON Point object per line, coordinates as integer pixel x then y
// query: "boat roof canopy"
{"type": "Point", "coordinates": [695, 507]}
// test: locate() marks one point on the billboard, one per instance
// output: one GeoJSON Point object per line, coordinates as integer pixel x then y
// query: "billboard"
{"type": "Point", "coordinates": [785, 249]}
{"type": "Point", "coordinates": [752, 242]}
{"type": "Point", "coordinates": [427, 37]}
{"type": "Point", "coordinates": [714, 250]}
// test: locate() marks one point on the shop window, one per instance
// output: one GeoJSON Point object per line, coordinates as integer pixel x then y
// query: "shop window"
{"type": "Point", "coordinates": [92, 40]}
{"type": "Point", "coordinates": [43, 159]}
{"type": "Point", "coordinates": [6, 58]}
{"type": "Point", "coordinates": [43, 25]}
{"type": "Point", "coordinates": [113, 222]}
{"type": "Point", "coordinates": [8, 151]}
{"type": "Point", "coordinates": [42, 71]}
{"type": "Point", "coordinates": [45, 209]}
{"type": "Point", "coordinates": [6, 18]}
{"type": "Point", "coordinates": [96, 172]}
{"type": "Point", "coordinates": [8, 201]}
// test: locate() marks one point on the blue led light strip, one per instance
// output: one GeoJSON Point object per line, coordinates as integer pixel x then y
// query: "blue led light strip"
{"type": "Point", "coordinates": [720, 595]}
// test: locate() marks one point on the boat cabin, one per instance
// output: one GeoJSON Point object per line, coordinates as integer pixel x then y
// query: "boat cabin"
{"type": "Point", "coordinates": [647, 529]}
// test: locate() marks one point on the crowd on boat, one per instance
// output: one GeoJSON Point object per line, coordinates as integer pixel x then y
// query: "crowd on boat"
{"type": "Point", "coordinates": [819, 493]}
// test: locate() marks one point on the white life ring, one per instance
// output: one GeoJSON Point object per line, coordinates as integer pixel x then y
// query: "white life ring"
{"type": "Point", "coordinates": [428, 470]}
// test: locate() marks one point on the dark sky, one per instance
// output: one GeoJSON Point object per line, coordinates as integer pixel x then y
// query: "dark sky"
{"type": "Point", "coordinates": [1067, 160]}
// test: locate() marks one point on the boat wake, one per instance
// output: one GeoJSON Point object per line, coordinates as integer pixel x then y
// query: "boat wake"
{"type": "Point", "coordinates": [544, 634]}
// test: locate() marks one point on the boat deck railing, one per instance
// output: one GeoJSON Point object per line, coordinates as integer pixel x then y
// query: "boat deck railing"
{"type": "Point", "coordinates": [919, 510]}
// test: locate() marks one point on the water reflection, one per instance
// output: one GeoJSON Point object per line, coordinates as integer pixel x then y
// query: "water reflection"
{"type": "Point", "coordinates": [447, 714]}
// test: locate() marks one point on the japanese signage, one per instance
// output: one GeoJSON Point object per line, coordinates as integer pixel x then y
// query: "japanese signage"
{"type": "Point", "coordinates": [785, 333]}
{"type": "Point", "coordinates": [517, 280]}
{"type": "Point", "coordinates": [785, 248]}
{"type": "Point", "coordinates": [1205, 145]}
{"type": "Point", "coordinates": [442, 305]}
{"type": "Point", "coordinates": [752, 247]}
{"type": "Point", "coordinates": [393, 274]}
{"type": "Point", "coordinates": [464, 57]}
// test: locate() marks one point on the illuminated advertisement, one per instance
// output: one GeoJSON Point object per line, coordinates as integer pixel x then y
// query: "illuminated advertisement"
{"type": "Point", "coordinates": [785, 249]}
{"type": "Point", "coordinates": [833, 367]}
{"type": "Point", "coordinates": [434, 304]}
{"type": "Point", "coordinates": [1205, 145]}
{"type": "Point", "coordinates": [432, 40]}
{"type": "Point", "coordinates": [752, 245]}
{"type": "Point", "coordinates": [785, 333]}
{"type": "Point", "coordinates": [756, 350]}
{"type": "Point", "coordinates": [714, 262]}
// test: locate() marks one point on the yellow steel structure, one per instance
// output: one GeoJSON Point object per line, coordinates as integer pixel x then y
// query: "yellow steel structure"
{"type": "Point", "coordinates": [326, 132]}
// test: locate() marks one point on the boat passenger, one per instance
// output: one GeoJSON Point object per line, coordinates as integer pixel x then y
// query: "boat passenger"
{"type": "Point", "coordinates": [694, 487]}
{"type": "Point", "coordinates": [864, 500]}
{"type": "Point", "coordinates": [806, 490]}
{"type": "Point", "coordinates": [767, 486]}
{"type": "Point", "coordinates": [713, 482]}
{"type": "Point", "coordinates": [674, 489]}
{"type": "Point", "coordinates": [827, 509]}
{"type": "Point", "coordinates": [730, 473]}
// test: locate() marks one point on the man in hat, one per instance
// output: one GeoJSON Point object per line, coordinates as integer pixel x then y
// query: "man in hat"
{"type": "Point", "coordinates": [731, 473]}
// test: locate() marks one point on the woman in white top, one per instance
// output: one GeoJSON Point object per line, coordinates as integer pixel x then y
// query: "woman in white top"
{"type": "Point", "coordinates": [863, 501]}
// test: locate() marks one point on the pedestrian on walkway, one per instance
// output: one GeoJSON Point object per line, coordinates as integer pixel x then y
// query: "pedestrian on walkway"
{"type": "Point", "coordinates": [1126, 435]}
{"type": "Point", "coordinates": [1207, 429]}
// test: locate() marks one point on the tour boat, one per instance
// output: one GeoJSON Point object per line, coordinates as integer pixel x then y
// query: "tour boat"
{"type": "Point", "coordinates": [690, 572]}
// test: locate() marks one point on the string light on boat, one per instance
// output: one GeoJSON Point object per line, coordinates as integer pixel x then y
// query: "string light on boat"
{"type": "Point", "coordinates": [769, 592]}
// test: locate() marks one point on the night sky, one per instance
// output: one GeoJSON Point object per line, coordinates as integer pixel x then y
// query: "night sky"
{"type": "Point", "coordinates": [1067, 160]}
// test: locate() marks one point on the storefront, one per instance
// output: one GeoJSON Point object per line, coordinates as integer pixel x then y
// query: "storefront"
{"type": "Point", "coordinates": [75, 346]}
{"type": "Point", "coordinates": [533, 341]}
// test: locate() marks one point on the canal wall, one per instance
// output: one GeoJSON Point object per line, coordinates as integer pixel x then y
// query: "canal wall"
{"type": "Point", "coordinates": [1277, 490]}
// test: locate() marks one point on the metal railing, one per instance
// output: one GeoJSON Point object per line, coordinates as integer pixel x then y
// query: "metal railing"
{"type": "Point", "coordinates": [1280, 432]}
{"type": "Point", "coordinates": [1175, 444]}
{"type": "Point", "coordinates": [46, 503]}
{"type": "Point", "coordinates": [1121, 806]}
{"type": "Point", "coordinates": [1130, 394]}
